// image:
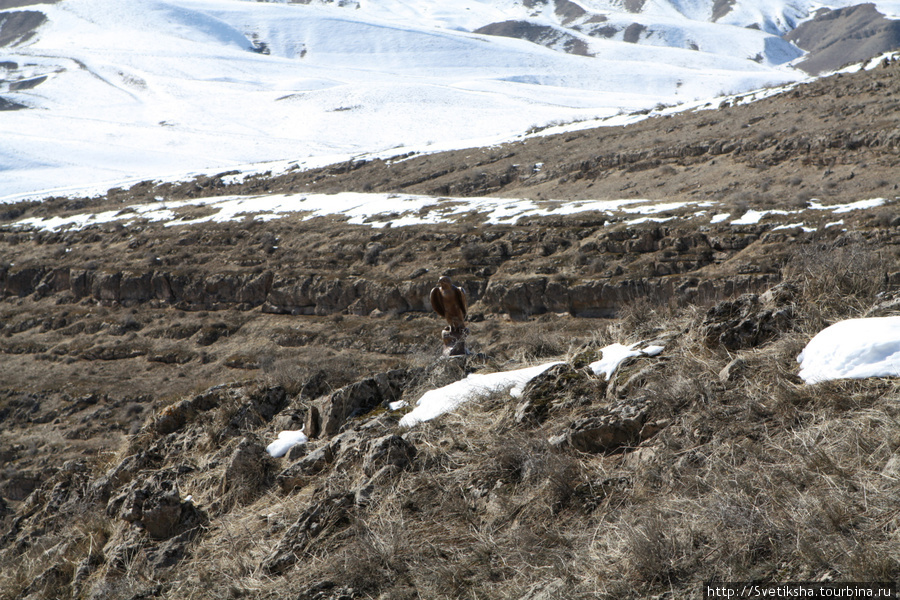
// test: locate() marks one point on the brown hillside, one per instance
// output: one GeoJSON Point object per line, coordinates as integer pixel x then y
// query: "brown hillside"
{"type": "Point", "coordinates": [143, 364]}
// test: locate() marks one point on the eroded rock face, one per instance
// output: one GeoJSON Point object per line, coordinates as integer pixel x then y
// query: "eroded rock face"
{"type": "Point", "coordinates": [622, 426]}
{"type": "Point", "coordinates": [307, 466]}
{"type": "Point", "coordinates": [602, 298]}
{"type": "Point", "coordinates": [378, 453]}
{"type": "Point", "coordinates": [260, 407]}
{"type": "Point", "coordinates": [390, 450]}
{"type": "Point", "coordinates": [18, 485]}
{"type": "Point", "coordinates": [248, 467]}
{"type": "Point", "coordinates": [544, 35]}
{"type": "Point", "coordinates": [605, 433]}
{"type": "Point", "coordinates": [318, 295]}
{"type": "Point", "coordinates": [175, 416]}
{"type": "Point", "coordinates": [123, 473]}
{"type": "Point", "coordinates": [835, 38]}
{"type": "Point", "coordinates": [17, 27]}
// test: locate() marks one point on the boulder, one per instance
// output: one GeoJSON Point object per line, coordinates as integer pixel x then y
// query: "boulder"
{"type": "Point", "coordinates": [553, 386]}
{"type": "Point", "coordinates": [175, 416]}
{"type": "Point", "coordinates": [123, 473]}
{"type": "Point", "coordinates": [135, 287]}
{"type": "Point", "coordinates": [18, 485]}
{"type": "Point", "coordinates": [259, 407]}
{"type": "Point", "coordinates": [620, 427]}
{"type": "Point", "coordinates": [247, 469]}
{"type": "Point", "coordinates": [22, 282]}
{"type": "Point", "coordinates": [346, 447]}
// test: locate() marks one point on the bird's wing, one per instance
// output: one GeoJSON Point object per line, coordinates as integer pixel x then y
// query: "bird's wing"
{"type": "Point", "coordinates": [462, 300]}
{"type": "Point", "coordinates": [437, 302]}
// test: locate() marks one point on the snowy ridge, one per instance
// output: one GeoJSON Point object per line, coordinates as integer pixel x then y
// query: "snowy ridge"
{"type": "Point", "coordinates": [153, 88]}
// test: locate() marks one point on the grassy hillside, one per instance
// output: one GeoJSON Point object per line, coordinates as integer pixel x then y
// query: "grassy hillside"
{"type": "Point", "coordinates": [146, 368]}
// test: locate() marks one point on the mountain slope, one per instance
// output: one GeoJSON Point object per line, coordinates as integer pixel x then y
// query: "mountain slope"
{"type": "Point", "coordinates": [844, 36]}
{"type": "Point", "coordinates": [149, 89]}
{"type": "Point", "coordinates": [151, 351]}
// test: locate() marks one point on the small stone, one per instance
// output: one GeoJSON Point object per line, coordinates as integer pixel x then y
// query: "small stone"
{"type": "Point", "coordinates": [732, 370]}
{"type": "Point", "coordinates": [651, 428]}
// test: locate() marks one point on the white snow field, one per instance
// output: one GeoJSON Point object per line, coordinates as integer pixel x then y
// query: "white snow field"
{"type": "Point", "coordinates": [154, 89]}
{"type": "Point", "coordinates": [853, 349]}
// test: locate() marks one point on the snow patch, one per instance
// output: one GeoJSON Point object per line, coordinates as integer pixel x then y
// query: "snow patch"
{"type": "Point", "coordinates": [849, 207]}
{"type": "Point", "coordinates": [375, 210]}
{"type": "Point", "coordinates": [437, 402]}
{"type": "Point", "coordinates": [286, 440]}
{"type": "Point", "coordinates": [434, 403]}
{"type": "Point", "coordinates": [753, 217]}
{"type": "Point", "coordinates": [853, 349]}
{"type": "Point", "coordinates": [615, 354]}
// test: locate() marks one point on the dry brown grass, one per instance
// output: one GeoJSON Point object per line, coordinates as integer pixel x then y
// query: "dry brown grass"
{"type": "Point", "coordinates": [840, 279]}
{"type": "Point", "coordinates": [758, 478]}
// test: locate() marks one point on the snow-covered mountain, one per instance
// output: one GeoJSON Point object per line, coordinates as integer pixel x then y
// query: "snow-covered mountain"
{"type": "Point", "coordinates": [98, 92]}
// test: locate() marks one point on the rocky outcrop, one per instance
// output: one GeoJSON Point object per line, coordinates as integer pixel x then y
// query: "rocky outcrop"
{"type": "Point", "coordinates": [259, 407]}
{"type": "Point", "coordinates": [545, 35]}
{"type": "Point", "coordinates": [327, 414]}
{"type": "Point", "coordinates": [326, 517]}
{"type": "Point", "coordinates": [599, 298]}
{"type": "Point", "coordinates": [18, 485]}
{"type": "Point", "coordinates": [17, 27]}
{"type": "Point", "coordinates": [836, 38]}
{"type": "Point", "coordinates": [624, 425]}
{"type": "Point", "coordinates": [156, 507]}
{"type": "Point", "coordinates": [388, 451]}
{"type": "Point", "coordinates": [315, 295]}
{"type": "Point", "coordinates": [123, 473]}
{"type": "Point", "coordinates": [175, 416]}
{"type": "Point", "coordinates": [649, 262]}
{"type": "Point", "coordinates": [380, 459]}
{"type": "Point", "coordinates": [312, 295]}
{"type": "Point", "coordinates": [558, 385]}
{"type": "Point", "coordinates": [247, 470]}
{"type": "Point", "coordinates": [751, 319]}
{"type": "Point", "coordinates": [368, 445]}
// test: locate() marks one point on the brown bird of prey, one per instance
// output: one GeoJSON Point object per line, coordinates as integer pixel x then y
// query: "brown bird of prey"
{"type": "Point", "coordinates": [450, 302]}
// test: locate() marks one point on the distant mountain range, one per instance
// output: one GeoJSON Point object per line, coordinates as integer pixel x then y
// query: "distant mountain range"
{"type": "Point", "coordinates": [96, 93]}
